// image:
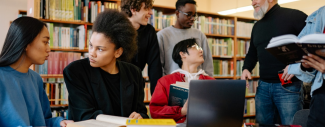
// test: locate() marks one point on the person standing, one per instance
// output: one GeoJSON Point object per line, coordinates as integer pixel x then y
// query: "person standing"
{"type": "Point", "coordinates": [139, 12]}
{"type": "Point", "coordinates": [273, 100]}
{"type": "Point", "coordinates": [170, 36]}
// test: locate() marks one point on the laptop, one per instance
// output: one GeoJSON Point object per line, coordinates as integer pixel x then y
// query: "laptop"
{"type": "Point", "coordinates": [216, 103]}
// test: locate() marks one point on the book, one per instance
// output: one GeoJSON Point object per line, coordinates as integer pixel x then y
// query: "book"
{"type": "Point", "coordinates": [178, 94]}
{"type": "Point", "coordinates": [289, 49]}
{"type": "Point", "coordinates": [117, 121]}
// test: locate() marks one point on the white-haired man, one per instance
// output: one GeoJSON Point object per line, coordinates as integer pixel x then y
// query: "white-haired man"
{"type": "Point", "coordinates": [273, 100]}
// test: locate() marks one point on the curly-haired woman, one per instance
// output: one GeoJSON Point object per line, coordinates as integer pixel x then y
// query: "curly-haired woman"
{"type": "Point", "coordinates": [102, 84]}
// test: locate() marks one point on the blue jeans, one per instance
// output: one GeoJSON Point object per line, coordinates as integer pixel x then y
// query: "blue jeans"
{"type": "Point", "coordinates": [273, 100]}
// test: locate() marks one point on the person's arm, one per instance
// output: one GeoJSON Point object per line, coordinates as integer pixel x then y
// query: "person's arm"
{"type": "Point", "coordinates": [161, 51]}
{"type": "Point", "coordinates": [208, 60]}
{"type": "Point", "coordinates": [297, 70]}
{"type": "Point", "coordinates": [159, 104]}
{"type": "Point", "coordinates": [81, 104]}
{"type": "Point", "coordinates": [49, 121]}
{"type": "Point", "coordinates": [251, 57]}
{"type": "Point", "coordinates": [142, 110]}
{"type": "Point", "coordinates": [153, 60]}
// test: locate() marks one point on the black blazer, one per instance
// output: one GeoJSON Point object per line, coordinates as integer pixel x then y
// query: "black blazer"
{"type": "Point", "coordinates": [88, 95]}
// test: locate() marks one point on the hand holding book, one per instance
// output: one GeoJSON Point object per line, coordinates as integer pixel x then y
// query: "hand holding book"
{"type": "Point", "coordinates": [184, 109]}
{"type": "Point", "coordinates": [314, 61]}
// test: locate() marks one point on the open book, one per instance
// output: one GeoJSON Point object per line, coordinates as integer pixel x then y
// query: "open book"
{"type": "Point", "coordinates": [116, 121]}
{"type": "Point", "coordinates": [289, 49]}
{"type": "Point", "coordinates": [178, 94]}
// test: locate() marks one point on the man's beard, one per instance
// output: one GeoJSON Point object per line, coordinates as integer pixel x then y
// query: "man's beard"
{"type": "Point", "coordinates": [262, 11]}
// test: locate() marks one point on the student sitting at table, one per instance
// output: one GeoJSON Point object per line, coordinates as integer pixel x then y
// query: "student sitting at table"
{"type": "Point", "coordinates": [188, 55]}
{"type": "Point", "coordinates": [102, 84]}
{"type": "Point", "coordinates": [23, 101]}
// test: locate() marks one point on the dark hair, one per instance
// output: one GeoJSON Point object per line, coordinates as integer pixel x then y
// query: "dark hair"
{"type": "Point", "coordinates": [127, 5]}
{"type": "Point", "coordinates": [22, 32]}
{"type": "Point", "coordinates": [118, 28]}
{"type": "Point", "coordinates": [182, 47]}
{"type": "Point", "coordinates": [181, 3]}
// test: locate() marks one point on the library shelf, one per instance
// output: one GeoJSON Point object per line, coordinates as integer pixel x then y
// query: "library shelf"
{"type": "Point", "coordinates": [253, 77]}
{"type": "Point", "coordinates": [222, 57]}
{"type": "Point", "coordinates": [245, 38]}
{"type": "Point", "coordinates": [240, 57]}
{"type": "Point", "coordinates": [250, 96]}
{"type": "Point", "coordinates": [52, 76]}
{"type": "Point", "coordinates": [246, 116]}
{"type": "Point", "coordinates": [69, 50]}
{"type": "Point", "coordinates": [56, 106]}
{"type": "Point", "coordinates": [218, 35]}
{"type": "Point", "coordinates": [223, 77]}
{"type": "Point", "coordinates": [65, 21]}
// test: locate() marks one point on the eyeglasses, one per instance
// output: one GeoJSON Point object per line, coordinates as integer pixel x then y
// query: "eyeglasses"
{"type": "Point", "coordinates": [197, 47]}
{"type": "Point", "coordinates": [189, 16]}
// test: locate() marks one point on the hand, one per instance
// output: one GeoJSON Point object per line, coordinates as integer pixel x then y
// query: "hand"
{"type": "Point", "coordinates": [285, 75]}
{"type": "Point", "coordinates": [305, 65]}
{"type": "Point", "coordinates": [246, 74]}
{"type": "Point", "coordinates": [315, 62]}
{"type": "Point", "coordinates": [64, 123]}
{"type": "Point", "coordinates": [184, 109]}
{"type": "Point", "coordinates": [135, 115]}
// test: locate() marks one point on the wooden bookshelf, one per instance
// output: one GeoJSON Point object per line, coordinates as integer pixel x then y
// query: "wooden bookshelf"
{"type": "Point", "coordinates": [247, 116]}
{"type": "Point", "coordinates": [250, 96]}
{"type": "Point", "coordinates": [244, 38]}
{"type": "Point", "coordinates": [220, 36]}
{"type": "Point", "coordinates": [223, 77]}
{"type": "Point", "coordinates": [69, 50]}
{"type": "Point", "coordinates": [222, 57]}
{"type": "Point", "coordinates": [55, 106]}
{"type": "Point", "coordinates": [146, 101]}
{"type": "Point", "coordinates": [65, 22]}
{"type": "Point", "coordinates": [253, 77]}
{"type": "Point", "coordinates": [57, 76]}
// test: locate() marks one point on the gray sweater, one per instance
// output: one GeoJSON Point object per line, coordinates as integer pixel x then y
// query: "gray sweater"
{"type": "Point", "coordinates": [170, 36]}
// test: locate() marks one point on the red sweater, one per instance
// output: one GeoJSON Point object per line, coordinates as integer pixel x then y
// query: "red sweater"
{"type": "Point", "coordinates": [159, 102]}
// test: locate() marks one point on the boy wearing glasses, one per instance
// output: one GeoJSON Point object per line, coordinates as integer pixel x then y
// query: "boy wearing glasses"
{"type": "Point", "coordinates": [188, 56]}
{"type": "Point", "coordinates": [170, 36]}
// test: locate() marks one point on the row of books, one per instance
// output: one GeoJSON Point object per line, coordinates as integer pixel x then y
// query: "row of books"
{"type": "Point", "coordinates": [249, 106]}
{"type": "Point", "coordinates": [244, 29]}
{"type": "Point", "coordinates": [208, 25]}
{"type": "Point", "coordinates": [221, 47]}
{"type": "Point", "coordinates": [56, 62]}
{"type": "Point", "coordinates": [251, 89]}
{"type": "Point", "coordinates": [223, 68]}
{"type": "Point", "coordinates": [69, 10]}
{"type": "Point", "coordinates": [160, 21]}
{"type": "Point", "coordinates": [243, 46]}
{"type": "Point", "coordinates": [60, 112]}
{"type": "Point", "coordinates": [249, 120]}
{"type": "Point", "coordinates": [57, 93]}
{"type": "Point", "coordinates": [68, 37]}
{"type": "Point", "coordinates": [239, 68]}
{"type": "Point", "coordinates": [211, 25]}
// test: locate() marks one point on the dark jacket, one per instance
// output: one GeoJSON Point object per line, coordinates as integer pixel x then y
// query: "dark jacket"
{"type": "Point", "coordinates": [88, 95]}
{"type": "Point", "coordinates": [148, 52]}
